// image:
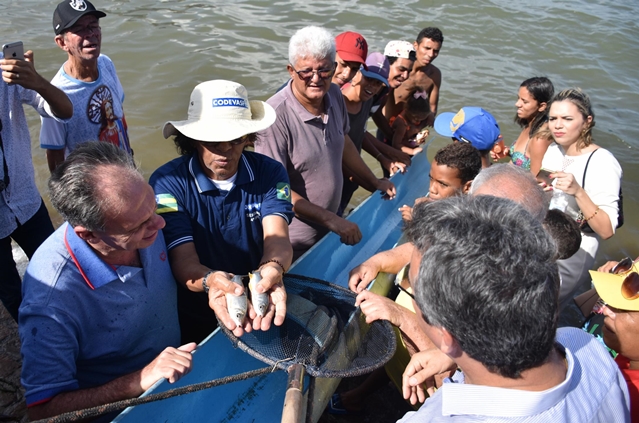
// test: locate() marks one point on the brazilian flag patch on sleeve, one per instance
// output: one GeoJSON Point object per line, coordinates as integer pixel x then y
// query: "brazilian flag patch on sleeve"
{"type": "Point", "coordinates": [166, 203]}
{"type": "Point", "coordinates": [283, 191]}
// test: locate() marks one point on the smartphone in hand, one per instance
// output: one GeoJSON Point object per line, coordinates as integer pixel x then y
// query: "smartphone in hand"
{"type": "Point", "coordinates": [13, 51]}
{"type": "Point", "coordinates": [544, 176]}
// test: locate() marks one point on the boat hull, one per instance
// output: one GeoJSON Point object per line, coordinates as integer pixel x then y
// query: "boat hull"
{"type": "Point", "coordinates": [261, 399]}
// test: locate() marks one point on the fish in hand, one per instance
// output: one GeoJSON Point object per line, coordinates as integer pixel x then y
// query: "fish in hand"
{"type": "Point", "coordinates": [259, 301]}
{"type": "Point", "coordinates": [237, 304]}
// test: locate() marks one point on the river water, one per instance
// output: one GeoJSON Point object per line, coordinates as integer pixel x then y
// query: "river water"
{"type": "Point", "coordinates": [162, 49]}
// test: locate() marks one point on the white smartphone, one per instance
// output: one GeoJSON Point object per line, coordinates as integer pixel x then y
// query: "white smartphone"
{"type": "Point", "coordinates": [13, 51]}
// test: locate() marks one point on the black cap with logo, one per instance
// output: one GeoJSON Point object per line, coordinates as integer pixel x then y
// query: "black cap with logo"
{"type": "Point", "coordinates": [69, 11]}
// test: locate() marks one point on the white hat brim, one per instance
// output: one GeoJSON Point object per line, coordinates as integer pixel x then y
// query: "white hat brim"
{"type": "Point", "coordinates": [220, 130]}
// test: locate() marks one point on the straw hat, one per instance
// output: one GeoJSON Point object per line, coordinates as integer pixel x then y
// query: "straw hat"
{"type": "Point", "coordinates": [608, 287]}
{"type": "Point", "coordinates": [220, 111]}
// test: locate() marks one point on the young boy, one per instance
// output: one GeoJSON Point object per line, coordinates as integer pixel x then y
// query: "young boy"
{"type": "Point", "coordinates": [451, 172]}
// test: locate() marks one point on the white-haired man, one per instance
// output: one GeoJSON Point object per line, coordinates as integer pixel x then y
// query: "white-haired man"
{"type": "Point", "coordinates": [309, 137]}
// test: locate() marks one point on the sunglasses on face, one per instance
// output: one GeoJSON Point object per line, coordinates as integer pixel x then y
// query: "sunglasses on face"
{"type": "Point", "coordinates": [234, 142]}
{"type": "Point", "coordinates": [630, 284]}
{"type": "Point", "coordinates": [307, 74]}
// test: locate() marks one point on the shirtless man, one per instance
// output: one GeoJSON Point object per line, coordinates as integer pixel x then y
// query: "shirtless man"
{"type": "Point", "coordinates": [424, 77]}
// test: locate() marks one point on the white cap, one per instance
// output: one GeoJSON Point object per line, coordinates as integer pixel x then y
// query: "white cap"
{"type": "Point", "coordinates": [398, 48]}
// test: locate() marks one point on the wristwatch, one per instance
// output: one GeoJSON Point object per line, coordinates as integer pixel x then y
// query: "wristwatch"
{"type": "Point", "coordinates": [205, 286]}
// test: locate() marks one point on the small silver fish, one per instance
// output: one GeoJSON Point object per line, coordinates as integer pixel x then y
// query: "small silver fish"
{"type": "Point", "coordinates": [260, 301]}
{"type": "Point", "coordinates": [237, 305]}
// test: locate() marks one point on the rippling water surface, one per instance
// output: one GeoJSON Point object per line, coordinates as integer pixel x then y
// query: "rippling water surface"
{"type": "Point", "coordinates": [162, 49]}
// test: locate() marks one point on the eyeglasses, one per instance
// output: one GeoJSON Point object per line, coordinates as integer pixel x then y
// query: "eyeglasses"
{"type": "Point", "coordinates": [405, 291]}
{"type": "Point", "coordinates": [630, 284]}
{"type": "Point", "coordinates": [309, 73]}
{"type": "Point", "coordinates": [401, 276]}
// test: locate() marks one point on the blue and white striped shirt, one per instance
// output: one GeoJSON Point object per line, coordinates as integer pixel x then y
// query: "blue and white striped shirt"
{"type": "Point", "coordinates": [594, 391]}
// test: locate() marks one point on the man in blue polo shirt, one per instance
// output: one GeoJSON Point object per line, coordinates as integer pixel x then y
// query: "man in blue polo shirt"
{"type": "Point", "coordinates": [98, 321]}
{"type": "Point", "coordinates": [227, 211]}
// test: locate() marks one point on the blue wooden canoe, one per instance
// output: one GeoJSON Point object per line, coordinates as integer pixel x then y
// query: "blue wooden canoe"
{"type": "Point", "coordinates": [261, 399]}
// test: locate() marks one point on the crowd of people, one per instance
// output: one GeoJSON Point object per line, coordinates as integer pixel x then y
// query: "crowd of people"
{"type": "Point", "coordinates": [139, 273]}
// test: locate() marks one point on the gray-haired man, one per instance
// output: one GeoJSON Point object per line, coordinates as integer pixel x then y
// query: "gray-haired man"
{"type": "Point", "coordinates": [310, 138]}
{"type": "Point", "coordinates": [98, 321]}
{"type": "Point", "coordinates": [486, 287]}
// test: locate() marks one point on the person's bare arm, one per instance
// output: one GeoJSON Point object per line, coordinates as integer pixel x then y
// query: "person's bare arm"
{"type": "Point", "coordinates": [433, 97]}
{"type": "Point", "coordinates": [171, 364]}
{"type": "Point", "coordinates": [54, 158]}
{"type": "Point", "coordinates": [392, 153]}
{"type": "Point", "coordinates": [353, 161]}
{"type": "Point", "coordinates": [187, 270]}
{"type": "Point", "coordinates": [389, 261]}
{"type": "Point", "coordinates": [381, 121]}
{"type": "Point", "coordinates": [536, 149]}
{"type": "Point", "coordinates": [22, 72]}
{"type": "Point", "coordinates": [377, 307]}
{"type": "Point", "coordinates": [399, 131]}
{"type": "Point", "coordinates": [597, 218]}
{"type": "Point", "coordinates": [391, 166]}
{"type": "Point", "coordinates": [277, 251]}
{"type": "Point", "coordinates": [348, 231]}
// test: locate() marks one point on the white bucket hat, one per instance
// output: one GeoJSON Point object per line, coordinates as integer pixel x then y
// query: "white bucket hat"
{"type": "Point", "coordinates": [219, 111]}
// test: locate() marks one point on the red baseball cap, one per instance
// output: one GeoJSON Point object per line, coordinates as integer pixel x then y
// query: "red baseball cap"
{"type": "Point", "coordinates": [352, 47]}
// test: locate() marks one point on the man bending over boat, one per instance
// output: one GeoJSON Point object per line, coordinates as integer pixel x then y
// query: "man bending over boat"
{"type": "Point", "coordinates": [492, 311]}
{"type": "Point", "coordinates": [227, 212]}
{"type": "Point", "coordinates": [452, 171]}
{"type": "Point", "coordinates": [98, 322]}
{"type": "Point", "coordinates": [310, 138]}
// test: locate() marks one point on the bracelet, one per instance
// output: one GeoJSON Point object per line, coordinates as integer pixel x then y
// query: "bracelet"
{"type": "Point", "coordinates": [205, 287]}
{"type": "Point", "coordinates": [378, 154]}
{"type": "Point", "coordinates": [273, 261]}
{"type": "Point", "coordinates": [593, 215]}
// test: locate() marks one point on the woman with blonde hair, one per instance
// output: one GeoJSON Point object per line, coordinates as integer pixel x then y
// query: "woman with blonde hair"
{"type": "Point", "coordinates": [587, 181]}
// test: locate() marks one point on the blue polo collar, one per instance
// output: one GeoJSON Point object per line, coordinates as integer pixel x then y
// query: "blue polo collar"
{"type": "Point", "coordinates": [94, 270]}
{"type": "Point", "coordinates": [301, 111]}
{"type": "Point", "coordinates": [245, 174]}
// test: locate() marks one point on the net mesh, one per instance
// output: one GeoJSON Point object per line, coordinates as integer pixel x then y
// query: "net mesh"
{"type": "Point", "coordinates": [322, 331]}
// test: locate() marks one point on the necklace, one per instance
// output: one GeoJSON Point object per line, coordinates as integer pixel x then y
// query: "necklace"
{"type": "Point", "coordinates": [567, 161]}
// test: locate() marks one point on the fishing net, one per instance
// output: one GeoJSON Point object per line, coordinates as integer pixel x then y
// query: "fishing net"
{"type": "Point", "coordinates": [323, 331]}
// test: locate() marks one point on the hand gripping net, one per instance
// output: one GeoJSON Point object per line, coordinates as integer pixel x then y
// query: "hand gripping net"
{"type": "Point", "coordinates": [323, 331]}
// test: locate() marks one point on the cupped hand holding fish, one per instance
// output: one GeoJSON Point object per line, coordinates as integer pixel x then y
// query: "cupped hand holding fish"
{"type": "Point", "coordinates": [222, 289]}
{"type": "Point", "coordinates": [271, 283]}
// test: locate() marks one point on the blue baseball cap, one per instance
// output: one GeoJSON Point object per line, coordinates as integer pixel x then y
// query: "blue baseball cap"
{"type": "Point", "coordinates": [471, 124]}
{"type": "Point", "coordinates": [377, 66]}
